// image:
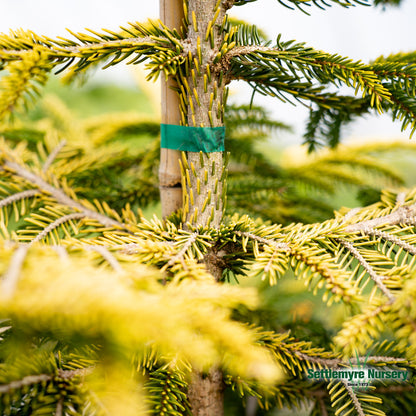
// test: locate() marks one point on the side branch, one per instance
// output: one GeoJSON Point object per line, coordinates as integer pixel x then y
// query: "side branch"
{"type": "Point", "coordinates": [271, 66]}
{"type": "Point", "coordinates": [392, 238]}
{"type": "Point", "coordinates": [44, 378]}
{"type": "Point", "coordinates": [52, 156]}
{"type": "Point", "coordinates": [108, 256]}
{"type": "Point", "coordinates": [371, 272]}
{"type": "Point", "coordinates": [244, 50]}
{"type": "Point", "coordinates": [354, 399]}
{"type": "Point", "coordinates": [57, 223]}
{"type": "Point", "coordinates": [11, 277]}
{"type": "Point", "coordinates": [70, 51]}
{"type": "Point", "coordinates": [26, 381]}
{"type": "Point", "coordinates": [402, 215]}
{"type": "Point", "coordinates": [272, 243]}
{"type": "Point", "coordinates": [60, 195]}
{"type": "Point", "coordinates": [338, 363]}
{"type": "Point", "coordinates": [180, 255]}
{"type": "Point", "coordinates": [19, 196]}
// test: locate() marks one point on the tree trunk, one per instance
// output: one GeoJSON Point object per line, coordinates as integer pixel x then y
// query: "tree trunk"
{"type": "Point", "coordinates": [206, 394]}
{"type": "Point", "coordinates": [205, 96]}
{"type": "Point", "coordinates": [204, 192]}
{"type": "Point", "coordinates": [201, 101]}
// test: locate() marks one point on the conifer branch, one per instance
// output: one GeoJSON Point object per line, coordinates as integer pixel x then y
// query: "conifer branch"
{"type": "Point", "coordinates": [60, 196]}
{"type": "Point", "coordinates": [300, 4]}
{"type": "Point", "coordinates": [44, 378]}
{"type": "Point", "coordinates": [11, 276]}
{"type": "Point", "coordinates": [25, 381]}
{"type": "Point", "coordinates": [389, 237]}
{"type": "Point", "coordinates": [294, 69]}
{"type": "Point", "coordinates": [327, 362]}
{"type": "Point", "coordinates": [62, 253]}
{"type": "Point", "coordinates": [55, 224]}
{"type": "Point", "coordinates": [394, 71]}
{"type": "Point", "coordinates": [324, 411]}
{"type": "Point", "coordinates": [245, 50]}
{"type": "Point", "coordinates": [152, 40]}
{"type": "Point", "coordinates": [377, 359]}
{"type": "Point", "coordinates": [78, 372]}
{"type": "Point", "coordinates": [394, 389]}
{"type": "Point", "coordinates": [402, 215]}
{"type": "Point", "coordinates": [23, 80]}
{"type": "Point", "coordinates": [130, 248]}
{"type": "Point", "coordinates": [403, 106]}
{"type": "Point", "coordinates": [277, 245]}
{"type": "Point", "coordinates": [106, 254]}
{"type": "Point", "coordinates": [52, 156]}
{"type": "Point", "coordinates": [350, 214]}
{"type": "Point", "coordinates": [354, 398]}
{"type": "Point", "coordinates": [371, 272]}
{"type": "Point", "coordinates": [180, 255]}
{"type": "Point", "coordinates": [59, 407]}
{"type": "Point", "coordinates": [336, 362]}
{"type": "Point", "coordinates": [272, 66]}
{"type": "Point", "coordinates": [64, 49]}
{"type": "Point", "coordinates": [19, 196]}
{"type": "Point", "coordinates": [360, 325]}
{"type": "Point", "coordinates": [400, 198]}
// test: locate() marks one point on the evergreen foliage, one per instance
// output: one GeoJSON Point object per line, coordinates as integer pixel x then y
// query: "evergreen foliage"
{"type": "Point", "coordinates": [98, 301]}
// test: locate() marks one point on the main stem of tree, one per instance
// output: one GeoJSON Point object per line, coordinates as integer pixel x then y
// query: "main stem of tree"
{"type": "Point", "coordinates": [202, 186]}
{"type": "Point", "coordinates": [204, 193]}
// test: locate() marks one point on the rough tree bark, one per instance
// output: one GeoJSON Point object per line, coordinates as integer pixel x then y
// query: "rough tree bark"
{"type": "Point", "coordinates": [202, 99]}
{"type": "Point", "coordinates": [205, 109]}
{"type": "Point", "coordinates": [204, 192]}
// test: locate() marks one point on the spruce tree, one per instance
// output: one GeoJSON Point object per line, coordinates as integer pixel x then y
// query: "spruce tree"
{"type": "Point", "coordinates": [91, 292]}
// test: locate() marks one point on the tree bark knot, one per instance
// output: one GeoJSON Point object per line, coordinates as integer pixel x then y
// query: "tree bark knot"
{"type": "Point", "coordinates": [215, 263]}
{"type": "Point", "coordinates": [227, 4]}
{"type": "Point", "coordinates": [188, 46]}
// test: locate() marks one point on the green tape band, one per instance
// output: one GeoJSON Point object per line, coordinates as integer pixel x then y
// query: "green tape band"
{"type": "Point", "coordinates": [192, 139]}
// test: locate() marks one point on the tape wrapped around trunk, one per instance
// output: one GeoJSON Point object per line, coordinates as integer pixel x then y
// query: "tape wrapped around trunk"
{"type": "Point", "coordinates": [192, 139]}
